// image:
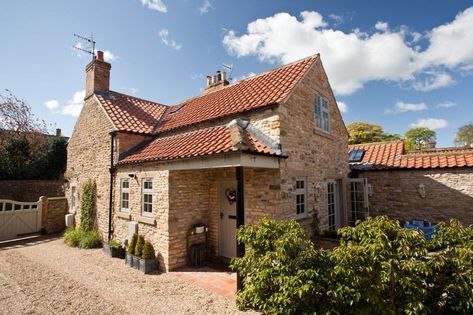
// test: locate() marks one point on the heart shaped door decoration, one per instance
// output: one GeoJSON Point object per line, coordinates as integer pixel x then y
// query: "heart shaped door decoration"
{"type": "Point", "coordinates": [231, 195]}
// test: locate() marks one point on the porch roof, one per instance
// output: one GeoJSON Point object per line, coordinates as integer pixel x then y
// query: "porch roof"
{"type": "Point", "coordinates": [199, 143]}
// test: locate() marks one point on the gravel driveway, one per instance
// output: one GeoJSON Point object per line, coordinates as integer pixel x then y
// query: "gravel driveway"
{"type": "Point", "coordinates": [47, 277]}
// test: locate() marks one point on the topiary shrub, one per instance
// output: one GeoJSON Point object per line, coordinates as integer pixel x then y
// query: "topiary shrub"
{"type": "Point", "coordinates": [131, 247]}
{"type": "Point", "coordinates": [87, 207]}
{"type": "Point", "coordinates": [148, 251]}
{"type": "Point", "coordinates": [139, 246]}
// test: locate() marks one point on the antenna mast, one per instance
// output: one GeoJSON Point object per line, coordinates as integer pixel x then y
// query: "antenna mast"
{"type": "Point", "coordinates": [228, 67]}
{"type": "Point", "coordinates": [90, 45]}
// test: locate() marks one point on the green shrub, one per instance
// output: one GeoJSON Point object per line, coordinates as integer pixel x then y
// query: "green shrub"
{"type": "Point", "coordinates": [378, 268]}
{"type": "Point", "coordinates": [90, 239]}
{"type": "Point", "coordinates": [87, 206]}
{"type": "Point", "coordinates": [139, 246]}
{"type": "Point", "coordinates": [72, 237]}
{"type": "Point", "coordinates": [148, 251]}
{"type": "Point", "coordinates": [131, 247]}
{"type": "Point", "coordinates": [114, 244]}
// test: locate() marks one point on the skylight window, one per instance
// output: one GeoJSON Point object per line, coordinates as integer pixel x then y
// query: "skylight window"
{"type": "Point", "coordinates": [356, 155]}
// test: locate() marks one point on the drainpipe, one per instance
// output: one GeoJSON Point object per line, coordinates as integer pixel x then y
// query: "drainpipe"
{"type": "Point", "coordinates": [240, 214]}
{"type": "Point", "coordinates": [112, 173]}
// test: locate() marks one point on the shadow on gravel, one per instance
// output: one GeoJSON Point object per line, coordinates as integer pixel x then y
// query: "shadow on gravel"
{"type": "Point", "coordinates": [29, 241]}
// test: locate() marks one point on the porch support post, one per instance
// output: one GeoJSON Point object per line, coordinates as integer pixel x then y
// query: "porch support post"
{"type": "Point", "coordinates": [240, 214]}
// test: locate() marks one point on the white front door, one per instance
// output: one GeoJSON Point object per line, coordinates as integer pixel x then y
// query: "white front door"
{"type": "Point", "coordinates": [227, 205]}
{"type": "Point", "coordinates": [333, 204]}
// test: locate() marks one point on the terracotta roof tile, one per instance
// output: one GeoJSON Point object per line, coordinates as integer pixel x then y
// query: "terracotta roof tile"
{"type": "Point", "coordinates": [392, 155]}
{"type": "Point", "coordinates": [191, 144]}
{"type": "Point", "coordinates": [129, 113]}
{"type": "Point", "coordinates": [261, 90]}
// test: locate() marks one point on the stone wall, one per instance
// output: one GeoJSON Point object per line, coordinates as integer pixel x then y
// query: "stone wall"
{"type": "Point", "coordinates": [316, 155]}
{"type": "Point", "coordinates": [449, 194]}
{"type": "Point", "coordinates": [54, 212]}
{"type": "Point", "coordinates": [30, 190]}
{"type": "Point", "coordinates": [88, 157]}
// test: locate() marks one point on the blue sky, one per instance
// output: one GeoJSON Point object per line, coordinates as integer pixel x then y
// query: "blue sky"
{"type": "Point", "coordinates": [398, 63]}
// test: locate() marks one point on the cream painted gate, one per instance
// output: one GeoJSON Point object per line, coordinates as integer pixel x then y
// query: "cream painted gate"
{"type": "Point", "coordinates": [19, 218]}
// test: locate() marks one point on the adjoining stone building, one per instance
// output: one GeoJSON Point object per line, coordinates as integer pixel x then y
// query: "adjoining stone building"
{"type": "Point", "coordinates": [433, 185]}
{"type": "Point", "coordinates": [273, 144]}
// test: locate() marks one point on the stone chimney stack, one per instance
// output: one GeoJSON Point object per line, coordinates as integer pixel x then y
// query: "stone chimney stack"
{"type": "Point", "coordinates": [97, 75]}
{"type": "Point", "coordinates": [216, 82]}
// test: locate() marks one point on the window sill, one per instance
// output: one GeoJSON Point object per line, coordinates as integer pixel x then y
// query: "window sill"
{"type": "Point", "coordinates": [145, 220]}
{"type": "Point", "coordinates": [324, 134]}
{"type": "Point", "coordinates": [124, 215]}
{"type": "Point", "coordinates": [304, 219]}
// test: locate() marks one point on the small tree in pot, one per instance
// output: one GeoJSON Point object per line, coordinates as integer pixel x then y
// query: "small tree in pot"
{"type": "Point", "coordinates": [131, 250]}
{"type": "Point", "coordinates": [148, 259]}
{"type": "Point", "coordinates": [114, 249]}
{"type": "Point", "coordinates": [140, 243]}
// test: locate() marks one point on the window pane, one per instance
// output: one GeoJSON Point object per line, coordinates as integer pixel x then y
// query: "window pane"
{"type": "Point", "coordinates": [125, 184]}
{"type": "Point", "coordinates": [324, 103]}
{"type": "Point", "coordinates": [148, 185]}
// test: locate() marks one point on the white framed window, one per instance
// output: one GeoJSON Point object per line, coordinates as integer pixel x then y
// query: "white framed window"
{"type": "Point", "coordinates": [125, 195]}
{"type": "Point", "coordinates": [147, 197]}
{"type": "Point", "coordinates": [73, 198]}
{"type": "Point", "coordinates": [301, 198]}
{"type": "Point", "coordinates": [322, 113]}
{"type": "Point", "coordinates": [331, 205]}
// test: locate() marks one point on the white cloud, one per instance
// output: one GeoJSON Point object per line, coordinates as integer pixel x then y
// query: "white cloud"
{"type": "Point", "coordinates": [107, 54]}
{"type": "Point", "coordinates": [354, 58]}
{"type": "Point", "coordinates": [382, 26]}
{"type": "Point", "coordinates": [337, 19]}
{"type": "Point", "coordinates": [164, 35]}
{"type": "Point", "coordinates": [435, 81]}
{"type": "Point", "coordinates": [446, 105]}
{"type": "Point", "coordinates": [431, 123]}
{"type": "Point", "coordinates": [52, 104]}
{"type": "Point", "coordinates": [72, 106]}
{"type": "Point", "coordinates": [205, 7]}
{"type": "Point", "coordinates": [402, 107]}
{"type": "Point", "coordinates": [157, 5]}
{"type": "Point", "coordinates": [245, 76]}
{"type": "Point", "coordinates": [342, 106]}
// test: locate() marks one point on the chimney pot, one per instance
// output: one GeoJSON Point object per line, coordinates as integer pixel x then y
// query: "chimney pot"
{"type": "Point", "coordinates": [100, 55]}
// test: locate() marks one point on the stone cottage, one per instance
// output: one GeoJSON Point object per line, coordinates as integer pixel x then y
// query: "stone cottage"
{"type": "Point", "coordinates": [433, 185]}
{"type": "Point", "coordinates": [273, 144]}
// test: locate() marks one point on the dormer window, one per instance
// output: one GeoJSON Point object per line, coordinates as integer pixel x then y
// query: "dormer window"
{"type": "Point", "coordinates": [322, 114]}
{"type": "Point", "coordinates": [356, 155]}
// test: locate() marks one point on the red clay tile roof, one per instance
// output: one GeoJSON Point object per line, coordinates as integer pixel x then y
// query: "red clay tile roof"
{"type": "Point", "coordinates": [261, 90]}
{"type": "Point", "coordinates": [129, 113]}
{"type": "Point", "coordinates": [391, 155]}
{"type": "Point", "coordinates": [192, 144]}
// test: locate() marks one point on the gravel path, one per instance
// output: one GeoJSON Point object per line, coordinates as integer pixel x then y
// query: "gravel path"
{"type": "Point", "coordinates": [50, 278]}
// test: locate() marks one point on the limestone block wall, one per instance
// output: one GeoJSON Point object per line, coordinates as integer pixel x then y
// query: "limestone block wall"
{"type": "Point", "coordinates": [313, 154]}
{"type": "Point", "coordinates": [449, 194]}
{"type": "Point", "coordinates": [155, 228]}
{"type": "Point", "coordinates": [55, 211]}
{"type": "Point", "coordinates": [88, 157]}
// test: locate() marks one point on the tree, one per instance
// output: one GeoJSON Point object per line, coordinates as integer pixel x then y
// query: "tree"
{"type": "Point", "coordinates": [363, 132]}
{"type": "Point", "coordinates": [464, 136]}
{"type": "Point", "coordinates": [419, 138]}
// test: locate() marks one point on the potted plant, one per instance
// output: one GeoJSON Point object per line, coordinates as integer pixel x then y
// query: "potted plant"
{"type": "Point", "coordinates": [131, 250]}
{"type": "Point", "coordinates": [148, 259]}
{"type": "Point", "coordinates": [113, 249]}
{"type": "Point", "coordinates": [140, 243]}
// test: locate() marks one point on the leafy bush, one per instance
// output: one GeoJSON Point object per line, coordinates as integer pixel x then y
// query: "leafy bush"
{"type": "Point", "coordinates": [148, 251]}
{"type": "Point", "coordinates": [114, 244]}
{"type": "Point", "coordinates": [82, 239]}
{"type": "Point", "coordinates": [139, 246]}
{"type": "Point", "coordinates": [87, 207]}
{"type": "Point", "coordinates": [90, 239]}
{"type": "Point", "coordinates": [379, 268]}
{"type": "Point", "coordinates": [71, 237]}
{"type": "Point", "coordinates": [131, 247]}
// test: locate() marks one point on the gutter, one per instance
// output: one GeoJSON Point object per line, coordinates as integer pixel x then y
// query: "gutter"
{"type": "Point", "coordinates": [112, 174]}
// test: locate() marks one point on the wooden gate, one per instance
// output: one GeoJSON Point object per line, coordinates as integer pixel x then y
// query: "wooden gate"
{"type": "Point", "coordinates": [19, 218]}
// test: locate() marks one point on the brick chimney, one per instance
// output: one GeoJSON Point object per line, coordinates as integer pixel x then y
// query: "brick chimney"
{"type": "Point", "coordinates": [97, 75]}
{"type": "Point", "coordinates": [216, 82]}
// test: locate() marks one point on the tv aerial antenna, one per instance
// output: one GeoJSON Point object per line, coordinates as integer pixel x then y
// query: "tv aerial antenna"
{"type": "Point", "coordinates": [229, 68]}
{"type": "Point", "coordinates": [89, 47]}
